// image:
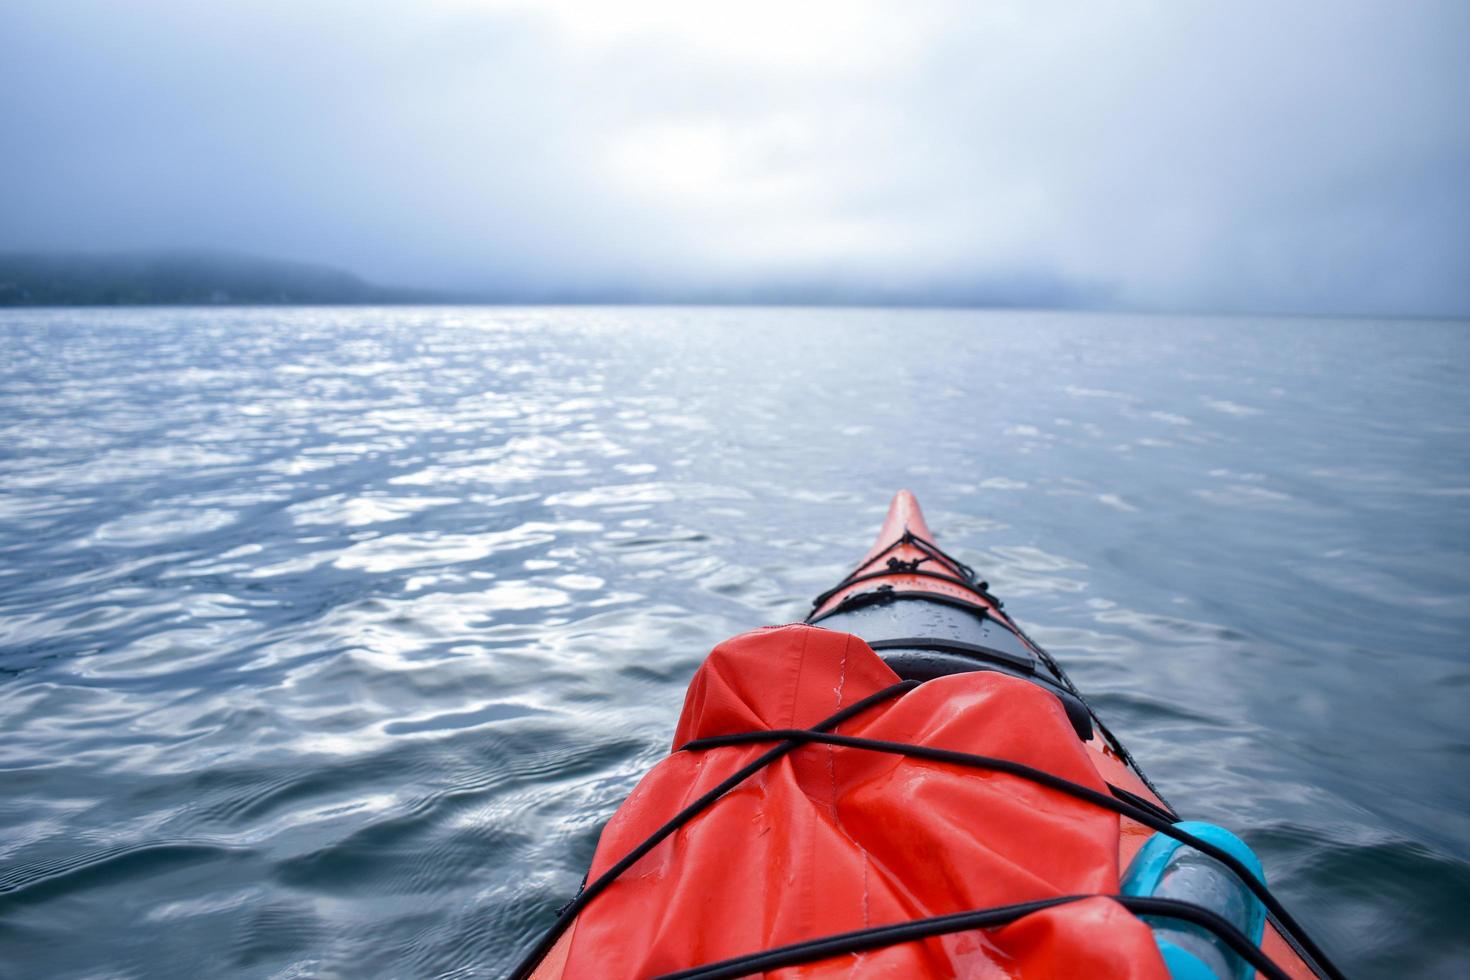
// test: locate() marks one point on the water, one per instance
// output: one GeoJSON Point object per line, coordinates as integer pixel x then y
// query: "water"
{"type": "Point", "coordinates": [330, 637]}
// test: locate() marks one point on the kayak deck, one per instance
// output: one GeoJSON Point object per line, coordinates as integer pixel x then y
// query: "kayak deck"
{"type": "Point", "coordinates": [933, 638]}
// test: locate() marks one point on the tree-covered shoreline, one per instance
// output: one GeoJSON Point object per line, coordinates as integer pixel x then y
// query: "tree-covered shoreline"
{"type": "Point", "coordinates": [181, 277]}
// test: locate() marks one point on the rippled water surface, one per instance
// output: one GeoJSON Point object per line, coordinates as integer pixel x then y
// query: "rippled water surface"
{"type": "Point", "coordinates": [329, 638]}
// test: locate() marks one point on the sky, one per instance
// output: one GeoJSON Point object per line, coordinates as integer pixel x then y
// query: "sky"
{"type": "Point", "coordinates": [1292, 156]}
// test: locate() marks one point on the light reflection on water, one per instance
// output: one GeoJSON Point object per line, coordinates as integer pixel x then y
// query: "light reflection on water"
{"type": "Point", "coordinates": [329, 638]}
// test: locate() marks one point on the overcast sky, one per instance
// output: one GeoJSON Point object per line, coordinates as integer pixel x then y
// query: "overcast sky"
{"type": "Point", "coordinates": [1234, 156]}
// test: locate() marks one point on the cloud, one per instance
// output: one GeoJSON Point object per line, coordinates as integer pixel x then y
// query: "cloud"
{"type": "Point", "coordinates": [1310, 157]}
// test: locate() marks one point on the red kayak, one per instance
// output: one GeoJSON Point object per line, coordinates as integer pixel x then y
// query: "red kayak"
{"type": "Point", "coordinates": [905, 785]}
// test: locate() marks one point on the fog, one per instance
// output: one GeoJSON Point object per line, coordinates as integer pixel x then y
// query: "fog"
{"type": "Point", "coordinates": [1306, 157]}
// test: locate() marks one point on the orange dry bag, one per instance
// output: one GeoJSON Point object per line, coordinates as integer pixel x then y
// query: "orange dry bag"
{"type": "Point", "coordinates": [828, 839]}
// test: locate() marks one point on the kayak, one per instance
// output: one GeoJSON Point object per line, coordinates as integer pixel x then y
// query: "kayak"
{"type": "Point", "coordinates": [906, 785]}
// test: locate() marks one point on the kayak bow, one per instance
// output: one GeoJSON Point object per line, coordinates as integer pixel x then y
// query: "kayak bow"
{"type": "Point", "coordinates": [864, 793]}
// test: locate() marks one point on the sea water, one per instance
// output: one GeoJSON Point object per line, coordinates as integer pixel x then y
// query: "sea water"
{"type": "Point", "coordinates": [330, 638]}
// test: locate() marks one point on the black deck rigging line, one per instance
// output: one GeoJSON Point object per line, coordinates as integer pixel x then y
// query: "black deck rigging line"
{"type": "Point", "coordinates": [1162, 812]}
{"type": "Point", "coordinates": [792, 738]}
{"type": "Point", "coordinates": [889, 573]}
{"type": "Point", "coordinates": [939, 554]}
{"type": "Point", "coordinates": [988, 658]}
{"type": "Point", "coordinates": [929, 548]}
{"type": "Point", "coordinates": [885, 594]}
{"type": "Point", "coordinates": [1051, 781]}
{"type": "Point", "coordinates": [878, 937]}
{"type": "Point", "coordinates": [591, 891]}
{"type": "Point", "coordinates": [974, 651]}
{"type": "Point", "coordinates": [964, 576]}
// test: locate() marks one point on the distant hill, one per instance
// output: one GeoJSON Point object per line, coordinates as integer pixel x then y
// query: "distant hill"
{"type": "Point", "coordinates": [181, 277]}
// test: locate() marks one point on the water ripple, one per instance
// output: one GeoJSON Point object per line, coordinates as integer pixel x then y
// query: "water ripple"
{"type": "Point", "coordinates": [329, 638]}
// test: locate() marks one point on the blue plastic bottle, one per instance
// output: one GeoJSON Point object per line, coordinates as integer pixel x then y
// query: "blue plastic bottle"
{"type": "Point", "coordinates": [1165, 868]}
